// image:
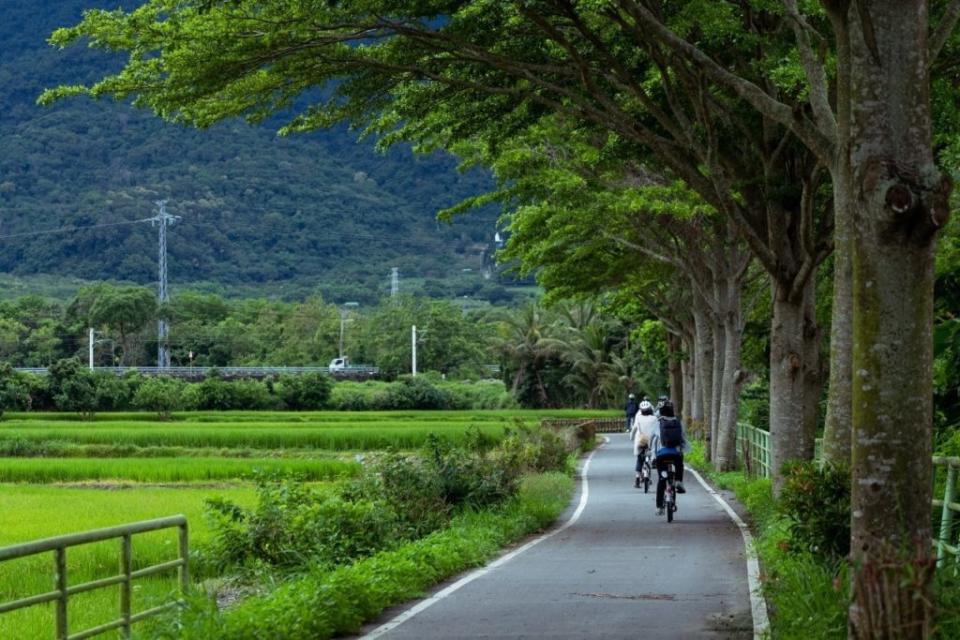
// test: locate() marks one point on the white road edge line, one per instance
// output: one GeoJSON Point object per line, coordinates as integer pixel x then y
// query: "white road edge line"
{"type": "Point", "coordinates": [470, 577]}
{"type": "Point", "coordinates": [758, 606]}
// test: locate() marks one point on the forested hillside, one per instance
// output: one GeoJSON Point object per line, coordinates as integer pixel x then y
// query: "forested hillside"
{"type": "Point", "coordinates": [301, 212]}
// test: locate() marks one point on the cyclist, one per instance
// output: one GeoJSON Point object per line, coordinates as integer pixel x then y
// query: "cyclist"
{"type": "Point", "coordinates": [661, 399]}
{"type": "Point", "coordinates": [644, 427]}
{"type": "Point", "coordinates": [631, 409]}
{"type": "Point", "coordinates": [670, 443]}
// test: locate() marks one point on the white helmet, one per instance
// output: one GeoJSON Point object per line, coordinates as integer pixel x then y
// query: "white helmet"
{"type": "Point", "coordinates": [646, 405]}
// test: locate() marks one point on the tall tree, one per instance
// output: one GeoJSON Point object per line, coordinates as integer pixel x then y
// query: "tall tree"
{"type": "Point", "coordinates": [717, 117]}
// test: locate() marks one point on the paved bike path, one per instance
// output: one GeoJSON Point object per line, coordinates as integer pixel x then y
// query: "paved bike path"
{"type": "Point", "coordinates": [619, 571]}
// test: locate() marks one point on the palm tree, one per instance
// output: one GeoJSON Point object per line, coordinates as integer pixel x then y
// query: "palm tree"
{"type": "Point", "coordinates": [525, 346]}
{"type": "Point", "coordinates": [590, 343]}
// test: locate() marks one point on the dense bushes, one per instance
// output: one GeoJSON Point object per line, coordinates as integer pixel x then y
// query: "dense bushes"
{"type": "Point", "coordinates": [420, 393]}
{"type": "Point", "coordinates": [323, 604]}
{"type": "Point", "coordinates": [163, 395]}
{"type": "Point", "coordinates": [400, 498]}
{"type": "Point", "coordinates": [244, 395]}
{"type": "Point", "coordinates": [72, 387]}
{"type": "Point", "coordinates": [817, 502]}
{"type": "Point", "coordinates": [305, 392]}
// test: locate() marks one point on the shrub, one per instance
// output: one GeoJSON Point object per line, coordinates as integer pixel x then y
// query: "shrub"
{"type": "Point", "coordinates": [348, 395]}
{"type": "Point", "coordinates": [295, 525]}
{"type": "Point", "coordinates": [38, 395]}
{"type": "Point", "coordinates": [531, 450]}
{"type": "Point", "coordinates": [162, 395]}
{"type": "Point", "coordinates": [305, 392]}
{"type": "Point", "coordinates": [410, 485]}
{"type": "Point", "coordinates": [482, 394]}
{"type": "Point", "coordinates": [400, 497]}
{"type": "Point", "coordinates": [12, 391]}
{"type": "Point", "coordinates": [73, 387]}
{"type": "Point", "coordinates": [416, 393]}
{"type": "Point", "coordinates": [818, 503]}
{"type": "Point", "coordinates": [113, 393]}
{"type": "Point", "coordinates": [239, 395]}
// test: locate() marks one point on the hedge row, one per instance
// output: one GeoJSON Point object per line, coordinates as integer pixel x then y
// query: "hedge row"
{"type": "Point", "coordinates": [71, 387]}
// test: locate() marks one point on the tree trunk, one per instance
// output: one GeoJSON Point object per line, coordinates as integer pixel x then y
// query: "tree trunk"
{"type": "Point", "coordinates": [813, 370]}
{"type": "Point", "coordinates": [899, 201]}
{"type": "Point", "coordinates": [836, 434]}
{"type": "Point", "coordinates": [726, 449]}
{"type": "Point", "coordinates": [719, 347]}
{"type": "Point", "coordinates": [687, 366]}
{"type": "Point", "coordinates": [704, 362]}
{"type": "Point", "coordinates": [673, 366]}
{"type": "Point", "coordinates": [791, 436]}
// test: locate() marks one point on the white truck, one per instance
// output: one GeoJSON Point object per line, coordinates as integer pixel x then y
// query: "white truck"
{"type": "Point", "coordinates": [341, 368]}
{"type": "Point", "coordinates": [337, 364]}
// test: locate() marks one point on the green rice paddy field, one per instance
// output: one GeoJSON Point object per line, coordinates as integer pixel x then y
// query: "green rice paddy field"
{"type": "Point", "coordinates": [59, 475]}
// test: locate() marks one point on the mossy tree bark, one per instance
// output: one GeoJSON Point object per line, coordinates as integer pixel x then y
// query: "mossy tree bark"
{"type": "Point", "coordinates": [898, 202]}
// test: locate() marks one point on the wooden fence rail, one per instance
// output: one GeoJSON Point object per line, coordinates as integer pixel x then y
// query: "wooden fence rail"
{"type": "Point", "coordinates": [63, 590]}
{"type": "Point", "coordinates": [753, 450]}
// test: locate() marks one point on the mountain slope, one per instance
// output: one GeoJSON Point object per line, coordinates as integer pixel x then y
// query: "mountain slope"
{"type": "Point", "coordinates": [256, 209]}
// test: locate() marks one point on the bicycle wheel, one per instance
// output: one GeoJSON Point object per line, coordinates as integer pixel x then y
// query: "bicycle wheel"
{"type": "Point", "coordinates": [670, 511]}
{"type": "Point", "coordinates": [646, 484]}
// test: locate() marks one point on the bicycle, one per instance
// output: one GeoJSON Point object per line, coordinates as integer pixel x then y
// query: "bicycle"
{"type": "Point", "coordinates": [645, 472]}
{"type": "Point", "coordinates": [670, 492]}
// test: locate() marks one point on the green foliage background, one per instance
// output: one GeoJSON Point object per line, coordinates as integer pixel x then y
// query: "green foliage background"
{"type": "Point", "coordinates": [308, 210]}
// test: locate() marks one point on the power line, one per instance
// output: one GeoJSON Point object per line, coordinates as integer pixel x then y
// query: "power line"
{"type": "Point", "coordinates": [74, 228]}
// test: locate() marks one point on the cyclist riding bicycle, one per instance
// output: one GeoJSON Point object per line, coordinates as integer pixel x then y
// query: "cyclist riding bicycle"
{"type": "Point", "coordinates": [670, 443]}
{"type": "Point", "coordinates": [642, 432]}
{"type": "Point", "coordinates": [661, 400]}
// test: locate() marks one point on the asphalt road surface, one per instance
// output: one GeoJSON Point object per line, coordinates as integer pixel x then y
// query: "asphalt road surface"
{"type": "Point", "coordinates": [619, 571]}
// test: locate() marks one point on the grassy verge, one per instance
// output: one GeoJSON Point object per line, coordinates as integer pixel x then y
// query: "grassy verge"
{"type": "Point", "coordinates": [323, 604]}
{"type": "Point", "coordinates": [806, 597]}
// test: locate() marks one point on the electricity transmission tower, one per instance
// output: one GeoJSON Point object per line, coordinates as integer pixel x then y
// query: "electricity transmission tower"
{"type": "Point", "coordinates": [163, 219]}
{"type": "Point", "coordinates": [394, 282]}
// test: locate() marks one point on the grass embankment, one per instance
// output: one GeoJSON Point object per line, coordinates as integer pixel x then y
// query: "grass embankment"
{"type": "Point", "coordinates": [323, 604]}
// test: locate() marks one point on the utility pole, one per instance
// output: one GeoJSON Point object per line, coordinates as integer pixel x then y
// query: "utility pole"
{"type": "Point", "coordinates": [90, 349]}
{"type": "Point", "coordinates": [413, 343]}
{"type": "Point", "coordinates": [394, 282]}
{"type": "Point", "coordinates": [343, 320]}
{"type": "Point", "coordinates": [162, 220]}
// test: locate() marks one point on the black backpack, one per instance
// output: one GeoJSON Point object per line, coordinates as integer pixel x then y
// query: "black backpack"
{"type": "Point", "coordinates": [671, 433]}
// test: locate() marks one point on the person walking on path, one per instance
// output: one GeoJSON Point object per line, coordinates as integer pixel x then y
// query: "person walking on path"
{"type": "Point", "coordinates": [631, 409]}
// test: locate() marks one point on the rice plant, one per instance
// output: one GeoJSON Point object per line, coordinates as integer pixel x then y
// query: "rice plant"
{"type": "Point", "coordinates": [165, 470]}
